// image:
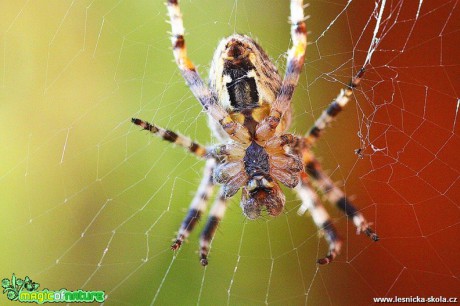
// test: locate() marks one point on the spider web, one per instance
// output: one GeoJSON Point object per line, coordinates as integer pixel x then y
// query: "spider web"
{"type": "Point", "coordinates": [89, 202]}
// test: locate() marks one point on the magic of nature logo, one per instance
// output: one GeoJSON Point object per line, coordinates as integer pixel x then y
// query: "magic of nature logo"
{"type": "Point", "coordinates": [26, 291]}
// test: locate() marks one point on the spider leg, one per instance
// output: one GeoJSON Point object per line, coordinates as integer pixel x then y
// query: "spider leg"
{"type": "Point", "coordinates": [312, 203]}
{"type": "Point", "coordinates": [296, 56]}
{"type": "Point", "coordinates": [215, 216]}
{"type": "Point", "coordinates": [196, 84]}
{"type": "Point", "coordinates": [334, 109]}
{"type": "Point", "coordinates": [170, 136]}
{"type": "Point", "coordinates": [336, 196]}
{"type": "Point", "coordinates": [197, 206]}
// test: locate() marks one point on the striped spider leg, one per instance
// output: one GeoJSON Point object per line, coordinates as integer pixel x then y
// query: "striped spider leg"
{"type": "Point", "coordinates": [296, 56]}
{"type": "Point", "coordinates": [334, 109]}
{"type": "Point", "coordinates": [197, 206]}
{"type": "Point", "coordinates": [215, 216]}
{"type": "Point", "coordinates": [319, 214]}
{"type": "Point", "coordinates": [207, 99]}
{"type": "Point", "coordinates": [201, 198]}
{"type": "Point", "coordinates": [249, 110]}
{"type": "Point", "coordinates": [335, 196]}
{"type": "Point", "coordinates": [321, 180]}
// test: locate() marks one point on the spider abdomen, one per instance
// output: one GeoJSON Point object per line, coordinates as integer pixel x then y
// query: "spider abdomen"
{"type": "Point", "coordinates": [242, 75]}
{"type": "Point", "coordinates": [245, 83]}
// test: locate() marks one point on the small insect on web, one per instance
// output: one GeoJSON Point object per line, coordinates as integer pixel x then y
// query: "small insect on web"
{"type": "Point", "coordinates": [249, 107]}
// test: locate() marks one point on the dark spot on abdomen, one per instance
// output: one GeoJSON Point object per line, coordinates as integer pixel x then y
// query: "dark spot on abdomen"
{"type": "Point", "coordinates": [242, 91]}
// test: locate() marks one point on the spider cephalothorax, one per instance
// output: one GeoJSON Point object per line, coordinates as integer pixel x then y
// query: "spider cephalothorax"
{"type": "Point", "coordinates": [249, 112]}
{"type": "Point", "coordinates": [258, 168]}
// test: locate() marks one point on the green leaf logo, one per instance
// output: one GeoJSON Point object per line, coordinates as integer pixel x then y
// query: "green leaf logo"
{"type": "Point", "coordinates": [13, 287]}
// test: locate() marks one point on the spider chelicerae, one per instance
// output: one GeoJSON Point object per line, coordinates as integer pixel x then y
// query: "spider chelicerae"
{"type": "Point", "coordinates": [249, 108]}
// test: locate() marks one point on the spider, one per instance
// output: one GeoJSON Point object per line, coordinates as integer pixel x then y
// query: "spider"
{"type": "Point", "coordinates": [249, 111]}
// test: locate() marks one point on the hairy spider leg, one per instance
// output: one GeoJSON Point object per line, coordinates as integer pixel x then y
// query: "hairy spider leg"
{"type": "Point", "coordinates": [197, 206]}
{"type": "Point", "coordinates": [170, 136]}
{"type": "Point", "coordinates": [334, 109]}
{"type": "Point", "coordinates": [336, 196]}
{"type": "Point", "coordinates": [196, 84]}
{"type": "Point", "coordinates": [312, 203]}
{"type": "Point", "coordinates": [215, 216]}
{"type": "Point", "coordinates": [295, 60]}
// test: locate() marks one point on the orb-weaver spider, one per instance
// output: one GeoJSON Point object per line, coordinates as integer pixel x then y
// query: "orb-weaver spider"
{"type": "Point", "coordinates": [249, 110]}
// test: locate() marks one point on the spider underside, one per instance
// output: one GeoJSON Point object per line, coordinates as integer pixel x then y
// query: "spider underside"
{"type": "Point", "coordinates": [249, 110]}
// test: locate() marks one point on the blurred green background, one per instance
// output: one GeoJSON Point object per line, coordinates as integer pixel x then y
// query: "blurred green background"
{"type": "Point", "coordinates": [88, 201]}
